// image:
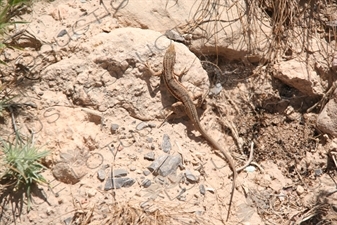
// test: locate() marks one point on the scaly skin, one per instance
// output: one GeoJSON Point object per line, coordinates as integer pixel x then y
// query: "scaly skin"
{"type": "Point", "coordinates": [182, 95]}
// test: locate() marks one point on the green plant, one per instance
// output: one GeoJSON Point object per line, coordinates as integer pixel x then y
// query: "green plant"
{"type": "Point", "coordinates": [22, 167]}
{"type": "Point", "coordinates": [4, 102]}
{"type": "Point", "coordinates": [8, 10]}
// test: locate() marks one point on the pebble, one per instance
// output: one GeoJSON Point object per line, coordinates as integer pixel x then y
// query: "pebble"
{"type": "Point", "coordinates": [210, 190]}
{"type": "Point", "coordinates": [166, 144]}
{"type": "Point", "coordinates": [250, 169]}
{"type": "Point", "coordinates": [146, 172]}
{"type": "Point", "coordinates": [142, 125]}
{"type": "Point", "coordinates": [216, 89]}
{"type": "Point", "coordinates": [62, 33]}
{"type": "Point", "coordinates": [114, 128]}
{"type": "Point", "coordinates": [152, 125]}
{"type": "Point", "coordinates": [190, 177]}
{"type": "Point", "coordinates": [68, 220]}
{"type": "Point", "coordinates": [174, 35]}
{"type": "Point", "coordinates": [318, 172]}
{"type": "Point", "coordinates": [300, 190]}
{"type": "Point", "coordinates": [202, 189]}
{"type": "Point", "coordinates": [149, 140]}
{"type": "Point", "coordinates": [91, 192]}
{"type": "Point", "coordinates": [101, 174]}
{"type": "Point", "coordinates": [118, 183]}
{"type": "Point", "coordinates": [153, 147]}
{"type": "Point", "coordinates": [120, 172]}
{"type": "Point", "coordinates": [146, 183]}
{"type": "Point", "coordinates": [150, 156]}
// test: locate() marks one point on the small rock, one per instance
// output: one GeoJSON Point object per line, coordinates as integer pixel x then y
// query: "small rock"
{"type": "Point", "coordinates": [318, 172]}
{"type": "Point", "coordinates": [150, 156]}
{"type": "Point", "coordinates": [132, 168]}
{"type": "Point", "coordinates": [181, 198]}
{"type": "Point", "coordinates": [202, 189]}
{"type": "Point", "coordinates": [101, 174]}
{"type": "Point", "coordinates": [144, 204]}
{"type": "Point", "coordinates": [299, 190]}
{"type": "Point", "coordinates": [114, 128]}
{"type": "Point", "coordinates": [146, 183]}
{"type": "Point", "coordinates": [120, 172]}
{"type": "Point", "coordinates": [174, 35]}
{"type": "Point", "coordinates": [50, 211]}
{"type": "Point", "coordinates": [68, 220]}
{"type": "Point", "coordinates": [128, 182]}
{"type": "Point", "coordinates": [250, 169]}
{"type": "Point", "coordinates": [152, 125]}
{"type": "Point", "coordinates": [62, 33]}
{"type": "Point", "coordinates": [210, 190]}
{"type": "Point", "coordinates": [216, 89]}
{"type": "Point", "coordinates": [118, 183]}
{"type": "Point", "coordinates": [153, 147]}
{"type": "Point", "coordinates": [91, 192]}
{"type": "Point", "coordinates": [149, 140]}
{"type": "Point", "coordinates": [146, 172]}
{"type": "Point", "coordinates": [141, 126]}
{"type": "Point", "coordinates": [166, 145]}
{"type": "Point", "coordinates": [190, 177]}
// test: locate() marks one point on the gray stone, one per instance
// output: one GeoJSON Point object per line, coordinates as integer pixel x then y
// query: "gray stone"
{"type": "Point", "coordinates": [101, 174]}
{"type": "Point", "coordinates": [216, 89]}
{"type": "Point", "coordinates": [166, 144]}
{"type": "Point", "coordinates": [318, 172]}
{"type": "Point", "coordinates": [114, 128]}
{"type": "Point", "coordinates": [202, 189]}
{"type": "Point", "coordinates": [142, 125]}
{"type": "Point", "coordinates": [133, 168]}
{"type": "Point", "coordinates": [170, 165]}
{"type": "Point", "coordinates": [146, 172]}
{"type": "Point", "coordinates": [118, 183]}
{"type": "Point", "coordinates": [146, 183]}
{"type": "Point", "coordinates": [68, 220]}
{"type": "Point", "coordinates": [190, 177]}
{"type": "Point", "coordinates": [174, 35]}
{"type": "Point", "coordinates": [157, 163]}
{"type": "Point", "coordinates": [150, 156]}
{"type": "Point", "coordinates": [120, 172]}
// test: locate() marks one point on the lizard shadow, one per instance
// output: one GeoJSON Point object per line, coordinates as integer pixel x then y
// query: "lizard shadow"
{"type": "Point", "coordinates": [179, 116]}
{"type": "Point", "coordinates": [152, 90]}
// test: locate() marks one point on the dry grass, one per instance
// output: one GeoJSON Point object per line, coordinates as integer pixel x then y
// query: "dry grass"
{"type": "Point", "coordinates": [131, 212]}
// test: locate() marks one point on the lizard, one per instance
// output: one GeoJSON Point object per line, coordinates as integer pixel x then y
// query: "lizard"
{"type": "Point", "coordinates": [182, 95]}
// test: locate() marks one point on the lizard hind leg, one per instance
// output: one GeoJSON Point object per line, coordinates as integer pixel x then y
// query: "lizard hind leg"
{"type": "Point", "coordinates": [199, 100]}
{"type": "Point", "coordinates": [175, 108]}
